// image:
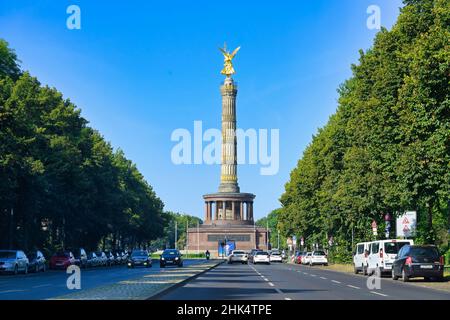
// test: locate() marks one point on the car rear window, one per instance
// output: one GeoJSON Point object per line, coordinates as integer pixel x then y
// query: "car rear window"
{"type": "Point", "coordinates": [426, 252]}
{"type": "Point", "coordinates": [238, 252]}
{"type": "Point", "coordinates": [262, 253]}
{"type": "Point", "coordinates": [319, 253]}
{"type": "Point", "coordinates": [394, 247]}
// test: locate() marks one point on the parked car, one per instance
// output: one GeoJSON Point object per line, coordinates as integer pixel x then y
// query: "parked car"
{"type": "Point", "coordinates": [275, 256]}
{"type": "Point", "coordinates": [172, 257]}
{"type": "Point", "coordinates": [306, 258]}
{"type": "Point", "coordinates": [261, 257]}
{"type": "Point", "coordinates": [117, 257]}
{"type": "Point", "coordinates": [36, 261]}
{"type": "Point", "coordinates": [298, 257]}
{"type": "Point", "coordinates": [92, 260]}
{"type": "Point", "coordinates": [110, 258]}
{"type": "Point", "coordinates": [103, 260]}
{"type": "Point", "coordinates": [139, 258]}
{"type": "Point", "coordinates": [382, 254]}
{"type": "Point", "coordinates": [13, 261]}
{"type": "Point", "coordinates": [418, 261]}
{"type": "Point", "coordinates": [238, 256]}
{"type": "Point", "coordinates": [360, 257]}
{"type": "Point", "coordinates": [61, 260]}
{"type": "Point", "coordinates": [80, 257]}
{"type": "Point", "coordinates": [318, 257]}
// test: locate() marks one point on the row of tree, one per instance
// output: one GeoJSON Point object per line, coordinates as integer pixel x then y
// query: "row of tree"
{"type": "Point", "coordinates": [61, 183]}
{"type": "Point", "coordinates": [387, 147]}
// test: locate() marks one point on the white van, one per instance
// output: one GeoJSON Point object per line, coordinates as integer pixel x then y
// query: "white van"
{"type": "Point", "coordinates": [360, 257]}
{"type": "Point", "coordinates": [382, 254]}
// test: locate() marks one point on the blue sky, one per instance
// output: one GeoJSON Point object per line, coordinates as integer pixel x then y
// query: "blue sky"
{"type": "Point", "coordinates": [141, 69]}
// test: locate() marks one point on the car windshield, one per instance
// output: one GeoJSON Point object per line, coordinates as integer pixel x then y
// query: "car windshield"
{"type": "Point", "coordinates": [319, 253]}
{"type": "Point", "coordinates": [170, 252]}
{"type": "Point", "coordinates": [394, 247]}
{"type": "Point", "coordinates": [425, 252]}
{"type": "Point", "coordinates": [7, 254]}
{"type": "Point", "coordinates": [139, 253]}
{"type": "Point", "coordinates": [276, 253]}
{"type": "Point", "coordinates": [262, 253]}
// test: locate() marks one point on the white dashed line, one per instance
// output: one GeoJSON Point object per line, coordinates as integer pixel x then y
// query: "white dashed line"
{"type": "Point", "coordinates": [313, 275]}
{"type": "Point", "coordinates": [350, 286]}
{"type": "Point", "coordinates": [380, 294]}
{"type": "Point", "coordinates": [335, 281]}
{"type": "Point", "coordinates": [278, 290]}
{"type": "Point", "coordinates": [265, 279]}
{"type": "Point", "coordinates": [287, 298]}
{"type": "Point", "coordinates": [42, 285]}
{"type": "Point", "coordinates": [271, 284]}
{"type": "Point", "coordinates": [323, 278]}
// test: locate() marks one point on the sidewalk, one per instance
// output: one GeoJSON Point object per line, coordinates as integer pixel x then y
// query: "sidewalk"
{"type": "Point", "coordinates": [144, 287]}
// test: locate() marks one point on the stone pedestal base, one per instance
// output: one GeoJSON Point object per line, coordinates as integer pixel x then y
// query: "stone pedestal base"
{"type": "Point", "coordinates": [208, 237]}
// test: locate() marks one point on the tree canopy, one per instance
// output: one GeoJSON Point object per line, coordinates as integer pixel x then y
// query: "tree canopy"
{"type": "Point", "coordinates": [386, 149]}
{"type": "Point", "coordinates": [61, 184]}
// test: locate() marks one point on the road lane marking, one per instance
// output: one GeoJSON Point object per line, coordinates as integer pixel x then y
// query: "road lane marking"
{"type": "Point", "coordinates": [278, 290]}
{"type": "Point", "coordinates": [287, 298]}
{"type": "Point", "coordinates": [271, 284]}
{"type": "Point", "coordinates": [323, 278]}
{"type": "Point", "coordinates": [335, 281]}
{"type": "Point", "coordinates": [12, 291]}
{"type": "Point", "coordinates": [265, 279]}
{"type": "Point", "coordinates": [380, 294]}
{"type": "Point", "coordinates": [313, 275]}
{"type": "Point", "coordinates": [42, 285]}
{"type": "Point", "coordinates": [350, 286]}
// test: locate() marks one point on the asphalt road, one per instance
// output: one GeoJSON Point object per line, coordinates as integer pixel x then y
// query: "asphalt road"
{"type": "Point", "coordinates": [52, 283]}
{"type": "Point", "coordinates": [293, 282]}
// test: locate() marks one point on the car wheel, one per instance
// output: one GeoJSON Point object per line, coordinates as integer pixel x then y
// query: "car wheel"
{"type": "Point", "coordinates": [364, 270]}
{"type": "Point", "coordinates": [393, 276]}
{"type": "Point", "coordinates": [427, 279]}
{"type": "Point", "coordinates": [161, 266]}
{"type": "Point", "coordinates": [404, 276]}
{"type": "Point", "coordinates": [26, 270]}
{"type": "Point", "coordinates": [44, 267]}
{"type": "Point", "coordinates": [355, 269]}
{"type": "Point", "coordinates": [16, 269]}
{"type": "Point", "coordinates": [37, 268]}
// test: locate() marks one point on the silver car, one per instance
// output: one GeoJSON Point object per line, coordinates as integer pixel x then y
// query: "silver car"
{"type": "Point", "coordinates": [13, 261]}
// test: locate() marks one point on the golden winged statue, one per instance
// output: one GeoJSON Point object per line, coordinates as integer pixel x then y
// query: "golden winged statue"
{"type": "Point", "coordinates": [228, 69]}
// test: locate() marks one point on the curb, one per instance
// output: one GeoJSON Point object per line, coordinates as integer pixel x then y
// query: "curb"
{"type": "Point", "coordinates": [164, 291]}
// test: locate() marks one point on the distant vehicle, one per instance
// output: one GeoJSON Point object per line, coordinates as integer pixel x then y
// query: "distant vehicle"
{"type": "Point", "coordinates": [110, 258]}
{"type": "Point", "coordinates": [80, 257]}
{"type": "Point", "coordinates": [36, 261]}
{"type": "Point", "coordinates": [261, 257]}
{"type": "Point", "coordinates": [360, 257]}
{"type": "Point", "coordinates": [382, 254]}
{"type": "Point", "coordinates": [103, 260]}
{"type": "Point", "coordinates": [251, 254]}
{"type": "Point", "coordinates": [13, 261]}
{"type": "Point", "coordinates": [306, 258]}
{"type": "Point", "coordinates": [92, 260]}
{"type": "Point", "coordinates": [238, 256]}
{"type": "Point", "coordinates": [298, 257]}
{"type": "Point", "coordinates": [61, 260]}
{"type": "Point", "coordinates": [318, 257]}
{"type": "Point", "coordinates": [418, 261]}
{"type": "Point", "coordinates": [275, 256]}
{"type": "Point", "coordinates": [139, 258]}
{"type": "Point", "coordinates": [172, 257]}
{"type": "Point", "coordinates": [284, 255]}
{"type": "Point", "coordinates": [117, 257]}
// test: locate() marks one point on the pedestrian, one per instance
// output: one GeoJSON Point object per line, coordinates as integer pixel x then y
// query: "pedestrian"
{"type": "Point", "coordinates": [207, 254]}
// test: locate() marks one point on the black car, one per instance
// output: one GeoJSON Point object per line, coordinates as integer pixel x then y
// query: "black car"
{"type": "Point", "coordinates": [81, 258]}
{"type": "Point", "coordinates": [171, 257]}
{"type": "Point", "coordinates": [36, 261]}
{"type": "Point", "coordinates": [418, 261]}
{"type": "Point", "coordinates": [139, 258]}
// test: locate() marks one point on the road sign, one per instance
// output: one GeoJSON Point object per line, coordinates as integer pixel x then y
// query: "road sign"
{"type": "Point", "coordinates": [406, 224]}
{"type": "Point", "coordinates": [374, 228]}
